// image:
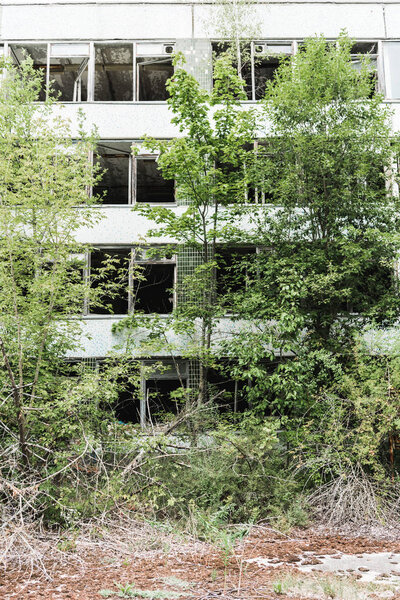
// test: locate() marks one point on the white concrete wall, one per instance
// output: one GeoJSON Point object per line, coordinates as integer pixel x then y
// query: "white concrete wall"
{"type": "Point", "coordinates": [170, 20]}
{"type": "Point", "coordinates": [152, 20]}
{"type": "Point", "coordinates": [98, 340]}
{"type": "Point", "coordinates": [121, 225]}
{"type": "Point", "coordinates": [122, 120]}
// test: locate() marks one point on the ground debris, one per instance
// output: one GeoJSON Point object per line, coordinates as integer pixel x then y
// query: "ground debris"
{"type": "Point", "coordinates": [196, 570]}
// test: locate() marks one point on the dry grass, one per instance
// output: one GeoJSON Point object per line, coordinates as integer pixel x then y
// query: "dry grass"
{"type": "Point", "coordinates": [357, 500]}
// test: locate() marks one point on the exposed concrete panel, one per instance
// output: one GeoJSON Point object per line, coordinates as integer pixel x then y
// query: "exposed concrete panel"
{"type": "Point", "coordinates": [287, 21]}
{"type": "Point", "coordinates": [123, 121]}
{"type": "Point", "coordinates": [98, 340]}
{"type": "Point", "coordinates": [97, 21]}
{"type": "Point", "coordinates": [392, 14]}
{"type": "Point", "coordinates": [126, 121]}
{"type": "Point", "coordinates": [121, 225]}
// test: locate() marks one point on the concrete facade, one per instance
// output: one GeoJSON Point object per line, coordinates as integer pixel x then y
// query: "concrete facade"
{"type": "Point", "coordinates": [190, 27]}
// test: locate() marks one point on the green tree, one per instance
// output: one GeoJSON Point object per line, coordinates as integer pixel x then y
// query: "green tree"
{"type": "Point", "coordinates": [44, 179]}
{"type": "Point", "coordinates": [207, 166]}
{"type": "Point", "coordinates": [329, 233]}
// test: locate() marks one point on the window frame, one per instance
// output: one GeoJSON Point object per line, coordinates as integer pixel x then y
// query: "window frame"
{"type": "Point", "coordinates": [133, 249]}
{"type": "Point", "coordinates": [165, 42]}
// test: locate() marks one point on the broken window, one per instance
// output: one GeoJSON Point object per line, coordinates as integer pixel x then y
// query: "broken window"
{"type": "Point", "coordinates": [113, 79]}
{"type": "Point", "coordinates": [259, 61]}
{"type": "Point", "coordinates": [109, 270]}
{"type": "Point", "coordinates": [266, 58]}
{"type": "Point", "coordinates": [68, 75]}
{"type": "Point", "coordinates": [128, 282]}
{"type": "Point", "coordinates": [153, 283]}
{"type": "Point", "coordinates": [38, 54]}
{"type": "Point", "coordinates": [363, 49]}
{"type": "Point", "coordinates": [163, 390]}
{"type": "Point", "coordinates": [228, 394]}
{"type": "Point", "coordinates": [115, 161]}
{"type": "Point", "coordinates": [127, 407]}
{"type": "Point", "coordinates": [233, 270]}
{"type": "Point", "coordinates": [150, 184]}
{"type": "Point", "coordinates": [153, 68]}
{"type": "Point", "coordinates": [219, 48]}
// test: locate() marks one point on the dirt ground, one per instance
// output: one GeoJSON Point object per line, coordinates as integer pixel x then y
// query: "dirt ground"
{"type": "Point", "coordinates": [198, 570]}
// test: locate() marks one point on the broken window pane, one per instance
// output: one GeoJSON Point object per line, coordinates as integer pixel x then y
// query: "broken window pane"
{"type": "Point", "coordinates": [69, 71]}
{"type": "Point", "coordinates": [369, 49]}
{"type": "Point", "coordinates": [219, 48]}
{"type": "Point", "coordinates": [152, 75]}
{"type": "Point", "coordinates": [127, 406]}
{"type": "Point", "coordinates": [153, 288]}
{"type": "Point", "coordinates": [38, 54]}
{"type": "Point", "coordinates": [150, 184]}
{"type": "Point", "coordinates": [267, 58]}
{"type": "Point", "coordinates": [160, 400]}
{"type": "Point", "coordinates": [113, 80]}
{"type": "Point", "coordinates": [109, 269]}
{"type": "Point", "coordinates": [114, 160]}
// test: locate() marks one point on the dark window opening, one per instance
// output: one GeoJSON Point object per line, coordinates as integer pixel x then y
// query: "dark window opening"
{"type": "Point", "coordinates": [114, 160]}
{"type": "Point", "coordinates": [369, 49]}
{"type": "Point", "coordinates": [219, 48]}
{"type": "Point", "coordinates": [38, 54]}
{"type": "Point", "coordinates": [127, 407]}
{"type": "Point", "coordinates": [153, 288]}
{"type": "Point", "coordinates": [113, 72]}
{"type": "Point", "coordinates": [159, 397]}
{"type": "Point", "coordinates": [228, 394]}
{"type": "Point", "coordinates": [152, 74]}
{"type": "Point", "coordinates": [264, 70]}
{"type": "Point", "coordinates": [150, 184]}
{"type": "Point", "coordinates": [109, 270]}
{"type": "Point", "coordinates": [232, 274]}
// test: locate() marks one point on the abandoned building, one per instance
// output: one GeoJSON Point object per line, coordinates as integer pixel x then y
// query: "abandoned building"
{"type": "Point", "coordinates": [113, 59]}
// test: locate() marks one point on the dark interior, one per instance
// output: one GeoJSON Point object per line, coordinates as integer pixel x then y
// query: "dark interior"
{"type": "Point", "coordinates": [127, 407]}
{"type": "Point", "coordinates": [152, 289]}
{"type": "Point", "coordinates": [113, 279]}
{"type": "Point", "coordinates": [153, 74]}
{"type": "Point", "coordinates": [113, 72]}
{"type": "Point", "coordinates": [150, 184]}
{"type": "Point", "coordinates": [159, 399]}
{"type": "Point", "coordinates": [230, 395]}
{"type": "Point", "coordinates": [38, 53]}
{"type": "Point", "coordinates": [264, 70]}
{"type": "Point", "coordinates": [114, 161]}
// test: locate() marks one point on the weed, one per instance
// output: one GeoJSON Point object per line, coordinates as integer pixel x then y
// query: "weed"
{"type": "Point", "coordinates": [176, 582]}
{"type": "Point", "coordinates": [214, 574]}
{"type": "Point", "coordinates": [278, 587]}
{"type": "Point", "coordinates": [328, 589]}
{"type": "Point", "coordinates": [129, 591]}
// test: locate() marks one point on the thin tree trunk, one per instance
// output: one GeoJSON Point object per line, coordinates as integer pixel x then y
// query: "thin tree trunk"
{"type": "Point", "coordinates": [21, 420]}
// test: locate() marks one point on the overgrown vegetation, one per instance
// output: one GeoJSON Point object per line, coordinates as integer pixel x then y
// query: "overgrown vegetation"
{"type": "Point", "coordinates": [305, 283]}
